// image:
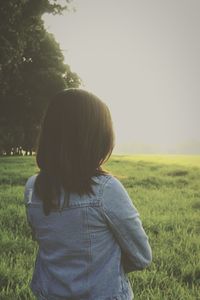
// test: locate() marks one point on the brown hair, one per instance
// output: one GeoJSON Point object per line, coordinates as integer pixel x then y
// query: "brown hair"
{"type": "Point", "coordinates": [75, 139]}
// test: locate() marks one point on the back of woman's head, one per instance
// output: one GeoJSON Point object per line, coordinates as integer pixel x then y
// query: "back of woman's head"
{"type": "Point", "coordinates": [75, 139]}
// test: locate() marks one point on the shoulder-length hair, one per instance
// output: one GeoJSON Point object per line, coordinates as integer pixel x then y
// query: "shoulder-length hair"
{"type": "Point", "coordinates": [75, 139]}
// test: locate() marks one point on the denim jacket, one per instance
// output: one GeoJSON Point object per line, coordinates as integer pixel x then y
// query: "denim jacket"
{"type": "Point", "coordinates": [87, 248]}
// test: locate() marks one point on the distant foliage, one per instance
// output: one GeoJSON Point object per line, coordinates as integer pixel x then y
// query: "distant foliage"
{"type": "Point", "coordinates": [31, 70]}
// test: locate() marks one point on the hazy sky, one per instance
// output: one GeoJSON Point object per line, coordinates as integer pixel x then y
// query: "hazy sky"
{"type": "Point", "coordinates": [142, 57]}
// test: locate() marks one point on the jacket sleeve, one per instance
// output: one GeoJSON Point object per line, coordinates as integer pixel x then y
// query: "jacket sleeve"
{"type": "Point", "coordinates": [124, 221]}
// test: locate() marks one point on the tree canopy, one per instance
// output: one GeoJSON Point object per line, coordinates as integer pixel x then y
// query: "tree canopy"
{"type": "Point", "coordinates": [32, 68]}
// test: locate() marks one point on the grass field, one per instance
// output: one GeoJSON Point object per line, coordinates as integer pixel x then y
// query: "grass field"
{"type": "Point", "coordinates": [166, 191]}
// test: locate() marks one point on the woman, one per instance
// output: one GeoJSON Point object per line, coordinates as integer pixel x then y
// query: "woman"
{"type": "Point", "coordinates": [88, 231]}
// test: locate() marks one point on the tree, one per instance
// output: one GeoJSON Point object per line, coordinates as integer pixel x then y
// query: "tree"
{"type": "Point", "coordinates": [31, 70]}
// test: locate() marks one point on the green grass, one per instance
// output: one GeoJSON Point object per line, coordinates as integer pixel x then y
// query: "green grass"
{"type": "Point", "coordinates": [166, 191]}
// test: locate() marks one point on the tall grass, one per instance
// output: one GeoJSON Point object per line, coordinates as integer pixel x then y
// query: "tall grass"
{"type": "Point", "coordinates": [166, 191]}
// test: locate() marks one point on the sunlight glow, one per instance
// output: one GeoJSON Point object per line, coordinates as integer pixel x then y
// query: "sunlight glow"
{"type": "Point", "coordinates": [142, 66]}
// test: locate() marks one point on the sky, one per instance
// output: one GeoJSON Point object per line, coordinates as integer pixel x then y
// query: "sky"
{"type": "Point", "coordinates": [141, 57]}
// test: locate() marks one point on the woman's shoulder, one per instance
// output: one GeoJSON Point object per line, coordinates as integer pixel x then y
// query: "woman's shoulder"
{"type": "Point", "coordinates": [29, 189]}
{"type": "Point", "coordinates": [114, 193]}
{"type": "Point", "coordinates": [105, 179]}
{"type": "Point", "coordinates": [110, 185]}
{"type": "Point", "coordinates": [113, 183]}
{"type": "Point", "coordinates": [30, 181]}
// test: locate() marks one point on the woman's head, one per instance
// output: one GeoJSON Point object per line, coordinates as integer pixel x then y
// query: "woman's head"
{"type": "Point", "coordinates": [75, 139]}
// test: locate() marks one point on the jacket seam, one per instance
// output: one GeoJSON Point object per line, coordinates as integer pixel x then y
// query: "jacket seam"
{"type": "Point", "coordinates": [90, 250]}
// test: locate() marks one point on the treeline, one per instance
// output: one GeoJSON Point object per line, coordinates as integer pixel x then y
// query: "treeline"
{"type": "Point", "coordinates": [32, 69]}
